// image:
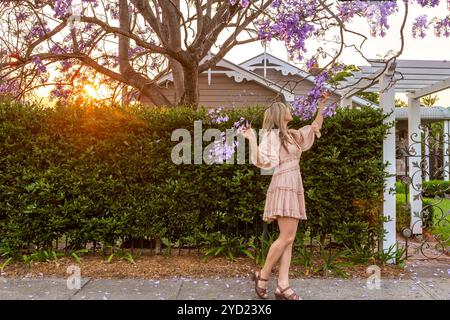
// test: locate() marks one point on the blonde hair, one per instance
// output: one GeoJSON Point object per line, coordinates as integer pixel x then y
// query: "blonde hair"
{"type": "Point", "coordinates": [274, 119]}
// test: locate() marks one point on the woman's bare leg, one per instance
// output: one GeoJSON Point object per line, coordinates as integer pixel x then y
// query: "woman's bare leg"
{"type": "Point", "coordinates": [288, 229]}
{"type": "Point", "coordinates": [283, 274]}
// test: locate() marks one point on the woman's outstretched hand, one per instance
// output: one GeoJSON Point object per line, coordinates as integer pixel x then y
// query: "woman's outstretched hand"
{"type": "Point", "coordinates": [248, 132]}
{"type": "Point", "coordinates": [325, 97]}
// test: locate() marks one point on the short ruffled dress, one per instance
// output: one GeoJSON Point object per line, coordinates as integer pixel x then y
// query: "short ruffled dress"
{"type": "Point", "coordinates": [285, 195]}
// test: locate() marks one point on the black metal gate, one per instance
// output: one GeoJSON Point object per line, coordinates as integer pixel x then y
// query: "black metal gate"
{"type": "Point", "coordinates": [434, 218]}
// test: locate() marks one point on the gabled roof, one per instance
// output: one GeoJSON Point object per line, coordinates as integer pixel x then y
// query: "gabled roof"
{"type": "Point", "coordinates": [239, 73]}
{"type": "Point", "coordinates": [286, 68]}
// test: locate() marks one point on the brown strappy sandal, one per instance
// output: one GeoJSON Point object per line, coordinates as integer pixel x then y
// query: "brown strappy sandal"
{"type": "Point", "coordinates": [261, 292]}
{"type": "Point", "coordinates": [282, 296]}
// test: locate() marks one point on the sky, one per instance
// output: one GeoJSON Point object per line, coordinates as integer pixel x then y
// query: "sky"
{"type": "Point", "coordinates": [428, 48]}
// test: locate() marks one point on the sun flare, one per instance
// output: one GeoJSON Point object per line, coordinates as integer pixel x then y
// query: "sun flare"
{"type": "Point", "coordinates": [97, 92]}
{"type": "Point", "coordinates": [91, 91]}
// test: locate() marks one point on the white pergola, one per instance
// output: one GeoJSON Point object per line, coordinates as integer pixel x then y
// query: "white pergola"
{"type": "Point", "coordinates": [417, 78]}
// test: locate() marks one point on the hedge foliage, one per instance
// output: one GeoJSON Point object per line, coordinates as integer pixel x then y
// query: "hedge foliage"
{"type": "Point", "coordinates": [103, 173]}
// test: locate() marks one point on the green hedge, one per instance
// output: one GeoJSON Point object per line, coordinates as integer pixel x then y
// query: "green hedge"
{"type": "Point", "coordinates": [103, 173]}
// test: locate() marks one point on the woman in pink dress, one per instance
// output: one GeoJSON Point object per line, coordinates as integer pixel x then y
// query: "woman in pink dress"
{"type": "Point", "coordinates": [281, 148]}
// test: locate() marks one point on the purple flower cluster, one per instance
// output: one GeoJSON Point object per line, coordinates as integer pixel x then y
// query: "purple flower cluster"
{"type": "Point", "coordinates": [238, 125]}
{"type": "Point", "coordinates": [329, 110]}
{"type": "Point", "coordinates": [60, 92]}
{"type": "Point", "coordinates": [8, 86]}
{"type": "Point", "coordinates": [217, 116]}
{"type": "Point", "coordinates": [37, 31]}
{"type": "Point", "coordinates": [306, 106]}
{"type": "Point", "coordinates": [311, 62]}
{"type": "Point", "coordinates": [222, 151]}
{"type": "Point", "coordinates": [88, 27]}
{"type": "Point", "coordinates": [22, 16]}
{"type": "Point", "coordinates": [428, 3]}
{"type": "Point", "coordinates": [66, 65]}
{"type": "Point", "coordinates": [337, 67]}
{"type": "Point", "coordinates": [349, 9]}
{"type": "Point", "coordinates": [290, 25]}
{"type": "Point", "coordinates": [113, 10]}
{"type": "Point", "coordinates": [379, 19]}
{"type": "Point", "coordinates": [442, 27]}
{"type": "Point", "coordinates": [57, 49]}
{"type": "Point", "coordinates": [419, 26]}
{"type": "Point", "coordinates": [244, 3]}
{"type": "Point", "coordinates": [39, 65]}
{"type": "Point", "coordinates": [376, 13]}
{"type": "Point", "coordinates": [61, 7]}
{"type": "Point", "coordinates": [276, 3]}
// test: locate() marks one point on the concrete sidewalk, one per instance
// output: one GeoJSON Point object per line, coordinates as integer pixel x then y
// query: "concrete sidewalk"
{"type": "Point", "coordinates": [427, 283]}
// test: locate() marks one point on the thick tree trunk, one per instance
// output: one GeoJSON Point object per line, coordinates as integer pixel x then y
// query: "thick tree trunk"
{"type": "Point", "coordinates": [172, 31]}
{"type": "Point", "coordinates": [178, 79]}
{"type": "Point", "coordinates": [191, 90]}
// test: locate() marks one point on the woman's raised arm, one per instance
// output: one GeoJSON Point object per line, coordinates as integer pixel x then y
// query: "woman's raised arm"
{"type": "Point", "coordinates": [267, 154]}
{"type": "Point", "coordinates": [319, 116]}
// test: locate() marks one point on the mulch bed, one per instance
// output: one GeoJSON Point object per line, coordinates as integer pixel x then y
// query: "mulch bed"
{"type": "Point", "coordinates": [185, 265]}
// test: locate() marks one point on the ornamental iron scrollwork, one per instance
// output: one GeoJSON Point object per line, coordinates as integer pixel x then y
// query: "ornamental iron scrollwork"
{"type": "Point", "coordinates": [423, 236]}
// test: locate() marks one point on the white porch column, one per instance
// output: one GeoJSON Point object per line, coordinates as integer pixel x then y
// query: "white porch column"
{"type": "Point", "coordinates": [446, 150]}
{"type": "Point", "coordinates": [346, 102]}
{"type": "Point", "coordinates": [415, 173]}
{"type": "Point", "coordinates": [387, 103]}
{"type": "Point", "coordinates": [427, 155]}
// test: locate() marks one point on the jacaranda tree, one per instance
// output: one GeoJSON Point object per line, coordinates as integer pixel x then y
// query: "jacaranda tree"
{"type": "Point", "coordinates": [128, 45]}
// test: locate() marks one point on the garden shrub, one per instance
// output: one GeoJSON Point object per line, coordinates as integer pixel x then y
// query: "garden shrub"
{"type": "Point", "coordinates": [103, 173]}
